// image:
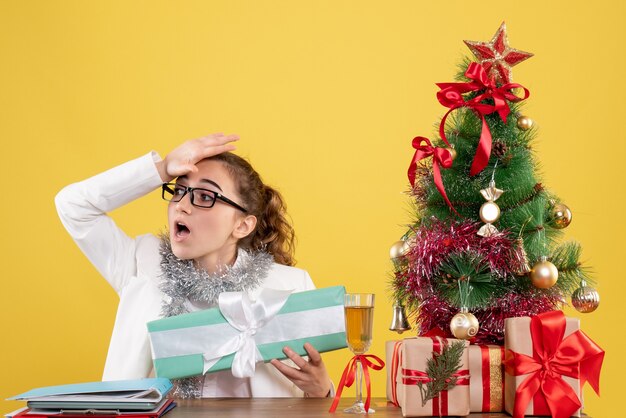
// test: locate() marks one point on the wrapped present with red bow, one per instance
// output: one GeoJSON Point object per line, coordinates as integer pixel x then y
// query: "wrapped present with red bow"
{"type": "Point", "coordinates": [547, 361]}
{"type": "Point", "coordinates": [487, 382]}
{"type": "Point", "coordinates": [429, 376]}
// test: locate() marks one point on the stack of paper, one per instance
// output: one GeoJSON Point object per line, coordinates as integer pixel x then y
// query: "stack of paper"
{"type": "Point", "coordinates": [142, 398]}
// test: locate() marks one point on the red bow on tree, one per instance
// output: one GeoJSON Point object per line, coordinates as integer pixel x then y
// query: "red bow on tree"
{"type": "Point", "coordinates": [451, 95]}
{"type": "Point", "coordinates": [441, 156]}
{"type": "Point", "coordinates": [576, 356]}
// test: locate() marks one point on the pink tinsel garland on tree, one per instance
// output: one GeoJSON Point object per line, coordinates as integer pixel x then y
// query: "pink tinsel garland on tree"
{"type": "Point", "coordinates": [432, 243]}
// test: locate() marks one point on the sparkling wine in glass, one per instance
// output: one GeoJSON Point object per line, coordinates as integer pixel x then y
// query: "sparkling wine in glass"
{"type": "Point", "coordinates": [359, 312]}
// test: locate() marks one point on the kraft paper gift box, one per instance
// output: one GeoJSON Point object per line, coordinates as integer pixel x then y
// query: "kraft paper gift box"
{"type": "Point", "coordinates": [547, 361]}
{"type": "Point", "coordinates": [487, 378]}
{"type": "Point", "coordinates": [389, 346]}
{"type": "Point", "coordinates": [240, 332]}
{"type": "Point", "coordinates": [408, 364]}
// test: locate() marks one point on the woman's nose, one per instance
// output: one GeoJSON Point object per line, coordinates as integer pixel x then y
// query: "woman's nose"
{"type": "Point", "coordinates": [184, 204]}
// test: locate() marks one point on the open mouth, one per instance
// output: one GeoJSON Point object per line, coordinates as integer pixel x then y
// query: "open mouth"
{"type": "Point", "coordinates": [181, 230]}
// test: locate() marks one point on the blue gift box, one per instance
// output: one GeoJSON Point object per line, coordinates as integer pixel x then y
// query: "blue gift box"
{"type": "Point", "coordinates": [241, 332]}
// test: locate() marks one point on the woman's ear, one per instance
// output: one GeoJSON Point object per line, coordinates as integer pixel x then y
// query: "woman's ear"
{"type": "Point", "coordinates": [245, 226]}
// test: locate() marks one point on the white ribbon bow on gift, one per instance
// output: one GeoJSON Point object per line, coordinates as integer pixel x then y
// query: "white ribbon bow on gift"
{"type": "Point", "coordinates": [249, 324]}
{"type": "Point", "coordinates": [246, 317]}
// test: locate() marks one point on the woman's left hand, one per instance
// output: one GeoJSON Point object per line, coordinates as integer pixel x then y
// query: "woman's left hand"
{"type": "Point", "coordinates": [310, 376]}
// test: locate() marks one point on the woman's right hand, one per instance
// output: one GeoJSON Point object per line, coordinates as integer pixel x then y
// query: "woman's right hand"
{"type": "Point", "coordinates": [183, 159]}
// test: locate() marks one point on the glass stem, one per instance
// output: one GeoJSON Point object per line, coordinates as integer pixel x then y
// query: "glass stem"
{"type": "Point", "coordinates": [359, 382]}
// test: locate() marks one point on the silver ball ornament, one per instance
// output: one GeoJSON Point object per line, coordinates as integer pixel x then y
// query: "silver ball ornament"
{"type": "Point", "coordinates": [585, 299]}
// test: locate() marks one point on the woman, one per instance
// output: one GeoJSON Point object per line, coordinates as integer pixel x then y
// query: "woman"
{"type": "Point", "coordinates": [227, 232]}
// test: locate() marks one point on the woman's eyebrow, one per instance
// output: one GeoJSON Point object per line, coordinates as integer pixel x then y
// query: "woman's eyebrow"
{"type": "Point", "coordinates": [211, 182]}
{"type": "Point", "coordinates": [184, 178]}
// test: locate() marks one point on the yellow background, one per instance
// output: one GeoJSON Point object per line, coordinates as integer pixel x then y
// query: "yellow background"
{"type": "Point", "coordinates": [326, 96]}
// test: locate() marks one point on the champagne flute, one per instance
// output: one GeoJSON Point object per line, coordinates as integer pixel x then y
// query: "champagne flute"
{"type": "Point", "coordinates": [359, 310]}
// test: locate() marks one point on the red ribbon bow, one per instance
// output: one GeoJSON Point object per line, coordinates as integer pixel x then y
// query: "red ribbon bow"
{"type": "Point", "coordinates": [451, 95]}
{"type": "Point", "coordinates": [441, 156]}
{"type": "Point", "coordinates": [349, 373]}
{"type": "Point", "coordinates": [576, 356]}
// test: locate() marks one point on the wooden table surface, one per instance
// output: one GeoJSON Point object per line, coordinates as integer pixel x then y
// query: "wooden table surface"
{"type": "Point", "coordinates": [287, 407]}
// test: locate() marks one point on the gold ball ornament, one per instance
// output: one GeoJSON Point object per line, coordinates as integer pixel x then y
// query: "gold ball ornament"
{"type": "Point", "coordinates": [489, 212]}
{"type": "Point", "coordinates": [524, 123]}
{"type": "Point", "coordinates": [561, 216]}
{"type": "Point", "coordinates": [585, 299]}
{"type": "Point", "coordinates": [544, 274]}
{"type": "Point", "coordinates": [464, 325]}
{"type": "Point", "coordinates": [397, 250]}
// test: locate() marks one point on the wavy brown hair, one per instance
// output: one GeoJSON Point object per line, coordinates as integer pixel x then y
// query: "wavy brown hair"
{"type": "Point", "coordinates": [273, 231]}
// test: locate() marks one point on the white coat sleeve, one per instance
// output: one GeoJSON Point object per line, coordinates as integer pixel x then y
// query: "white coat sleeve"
{"type": "Point", "coordinates": [308, 282]}
{"type": "Point", "coordinates": [82, 208]}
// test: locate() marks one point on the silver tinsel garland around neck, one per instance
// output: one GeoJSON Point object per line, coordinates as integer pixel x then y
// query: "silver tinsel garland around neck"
{"type": "Point", "coordinates": [182, 281]}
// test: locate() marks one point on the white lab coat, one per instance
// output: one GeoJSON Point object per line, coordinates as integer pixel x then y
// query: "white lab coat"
{"type": "Point", "coordinates": [132, 268]}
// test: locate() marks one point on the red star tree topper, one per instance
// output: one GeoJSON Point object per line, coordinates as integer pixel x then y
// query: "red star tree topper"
{"type": "Point", "coordinates": [497, 57]}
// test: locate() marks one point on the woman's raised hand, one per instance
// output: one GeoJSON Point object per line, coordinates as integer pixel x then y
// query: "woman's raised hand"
{"type": "Point", "coordinates": [183, 159]}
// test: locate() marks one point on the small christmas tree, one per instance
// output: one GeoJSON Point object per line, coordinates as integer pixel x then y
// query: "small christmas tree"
{"type": "Point", "coordinates": [485, 238]}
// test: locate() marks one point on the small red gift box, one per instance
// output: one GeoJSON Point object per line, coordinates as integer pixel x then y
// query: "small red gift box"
{"type": "Point", "coordinates": [547, 361]}
{"type": "Point", "coordinates": [408, 367]}
{"type": "Point", "coordinates": [487, 378]}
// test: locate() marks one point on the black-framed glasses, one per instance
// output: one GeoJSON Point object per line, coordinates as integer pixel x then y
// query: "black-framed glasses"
{"type": "Point", "coordinates": [201, 198]}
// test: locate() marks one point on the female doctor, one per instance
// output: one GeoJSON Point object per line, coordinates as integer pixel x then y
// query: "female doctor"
{"type": "Point", "coordinates": [227, 232]}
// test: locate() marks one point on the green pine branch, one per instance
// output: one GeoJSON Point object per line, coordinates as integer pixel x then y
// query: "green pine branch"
{"type": "Point", "coordinates": [566, 258]}
{"type": "Point", "coordinates": [441, 368]}
{"type": "Point", "coordinates": [471, 268]}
